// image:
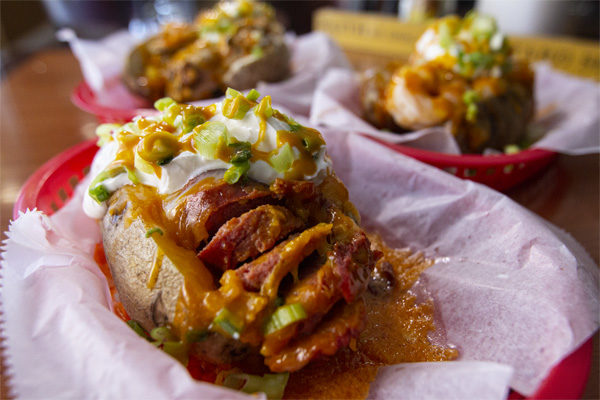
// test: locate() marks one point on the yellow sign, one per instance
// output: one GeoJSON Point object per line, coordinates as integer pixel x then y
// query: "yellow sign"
{"type": "Point", "coordinates": [387, 36]}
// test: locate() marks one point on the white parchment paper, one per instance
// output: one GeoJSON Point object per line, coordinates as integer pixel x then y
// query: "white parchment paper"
{"type": "Point", "coordinates": [102, 62]}
{"type": "Point", "coordinates": [568, 117]}
{"type": "Point", "coordinates": [514, 294]}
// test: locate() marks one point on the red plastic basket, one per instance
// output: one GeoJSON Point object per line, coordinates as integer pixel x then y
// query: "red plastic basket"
{"type": "Point", "coordinates": [53, 184]}
{"type": "Point", "coordinates": [128, 107]}
{"type": "Point", "coordinates": [500, 172]}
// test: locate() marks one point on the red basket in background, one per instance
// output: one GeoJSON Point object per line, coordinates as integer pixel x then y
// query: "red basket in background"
{"type": "Point", "coordinates": [500, 172]}
{"type": "Point", "coordinates": [49, 188]}
{"type": "Point", "coordinates": [123, 110]}
{"type": "Point", "coordinates": [53, 184]}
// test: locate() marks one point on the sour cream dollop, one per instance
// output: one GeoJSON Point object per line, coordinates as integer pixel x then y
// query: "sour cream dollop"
{"type": "Point", "coordinates": [262, 143]}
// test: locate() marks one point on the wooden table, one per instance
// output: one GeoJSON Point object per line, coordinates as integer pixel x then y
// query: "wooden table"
{"type": "Point", "coordinates": [38, 121]}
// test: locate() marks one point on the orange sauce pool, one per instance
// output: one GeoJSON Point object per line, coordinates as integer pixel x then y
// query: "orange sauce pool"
{"type": "Point", "coordinates": [396, 331]}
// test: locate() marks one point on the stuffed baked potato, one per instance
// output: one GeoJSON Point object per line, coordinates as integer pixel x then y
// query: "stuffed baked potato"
{"type": "Point", "coordinates": [227, 225]}
{"type": "Point", "coordinates": [235, 44]}
{"type": "Point", "coordinates": [462, 74]}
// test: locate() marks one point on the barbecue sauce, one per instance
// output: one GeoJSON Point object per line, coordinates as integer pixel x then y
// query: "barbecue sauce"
{"type": "Point", "coordinates": [396, 331]}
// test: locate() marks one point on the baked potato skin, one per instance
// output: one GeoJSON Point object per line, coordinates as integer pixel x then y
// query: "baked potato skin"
{"type": "Point", "coordinates": [131, 257]}
{"type": "Point", "coordinates": [272, 66]}
{"type": "Point", "coordinates": [501, 119]}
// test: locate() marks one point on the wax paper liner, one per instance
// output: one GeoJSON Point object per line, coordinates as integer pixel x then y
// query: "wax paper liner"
{"type": "Point", "coordinates": [512, 291]}
{"type": "Point", "coordinates": [567, 118]}
{"type": "Point", "coordinates": [103, 60]}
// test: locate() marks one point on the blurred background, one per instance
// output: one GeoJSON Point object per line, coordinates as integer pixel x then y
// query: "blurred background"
{"type": "Point", "coordinates": [27, 26]}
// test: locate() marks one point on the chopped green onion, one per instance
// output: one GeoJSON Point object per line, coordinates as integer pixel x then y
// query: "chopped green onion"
{"type": "Point", "coordinates": [236, 107]}
{"type": "Point", "coordinates": [273, 385]}
{"type": "Point", "coordinates": [472, 110]}
{"type": "Point", "coordinates": [158, 146]}
{"type": "Point", "coordinates": [177, 350]}
{"type": "Point", "coordinates": [253, 95]}
{"type": "Point", "coordinates": [141, 164]}
{"type": "Point", "coordinates": [264, 109]}
{"type": "Point", "coordinates": [104, 133]}
{"type": "Point", "coordinates": [99, 193]}
{"type": "Point", "coordinates": [137, 328]}
{"type": "Point", "coordinates": [194, 336]}
{"type": "Point", "coordinates": [242, 152]}
{"type": "Point", "coordinates": [149, 232]}
{"type": "Point", "coordinates": [284, 316]}
{"type": "Point", "coordinates": [294, 126]}
{"type": "Point", "coordinates": [445, 35]}
{"type": "Point", "coordinates": [132, 176]}
{"type": "Point", "coordinates": [228, 323]}
{"type": "Point", "coordinates": [311, 144]}
{"type": "Point", "coordinates": [192, 121]}
{"type": "Point", "coordinates": [236, 172]}
{"type": "Point", "coordinates": [470, 96]}
{"type": "Point", "coordinates": [231, 93]}
{"type": "Point", "coordinates": [162, 334]}
{"type": "Point", "coordinates": [208, 137]}
{"type": "Point", "coordinates": [483, 26]}
{"type": "Point", "coordinates": [257, 51]}
{"type": "Point", "coordinates": [170, 114]}
{"type": "Point", "coordinates": [283, 160]}
{"type": "Point", "coordinates": [164, 103]}
{"type": "Point", "coordinates": [225, 26]}
{"type": "Point", "coordinates": [481, 60]}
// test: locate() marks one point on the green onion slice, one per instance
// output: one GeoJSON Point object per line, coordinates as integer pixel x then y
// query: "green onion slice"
{"type": "Point", "coordinates": [132, 176]}
{"type": "Point", "coordinates": [177, 350]}
{"type": "Point", "coordinates": [483, 26]}
{"type": "Point", "coordinates": [470, 96]}
{"type": "Point", "coordinates": [242, 152]}
{"type": "Point", "coordinates": [273, 385]}
{"type": "Point", "coordinates": [511, 149]}
{"type": "Point", "coordinates": [137, 328]}
{"type": "Point", "coordinates": [253, 95]}
{"type": "Point", "coordinates": [162, 334]}
{"type": "Point", "coordinates": [283, 160]}
{"type": "Point", "coordinates": [164, 103]}
{"type": "Point", "coordinates": [104, 133]}
{"type": "Point", "coordinates": [208, 137]}
{"type": "Point", "coordinates": [284, 316]}
{"type": "Point", "coordinates": [472, 110]}
{"type": "Point", "coordinates": [236, 172]}
{"type": "Point", "coordinates": [445, 36]}
{"type": "Point", "coordinates": [151, 231]}
{"type": "Point", "coordinates": [237, 107]}
{"type": "Point", "coordinates": [228, 323]}
{"type": "Point", "coordinates": [264, 109]}
{"type": "Point", "coordinates": [231, 93]}
{"type": "Point", "coordinates": [294, 126]}
{"type": "Point", "coordinates": [191, 121]}
{"type": "Point", "coordinates": [257, 51]}
{"type": "Point", "coordinates": [98, 191]}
